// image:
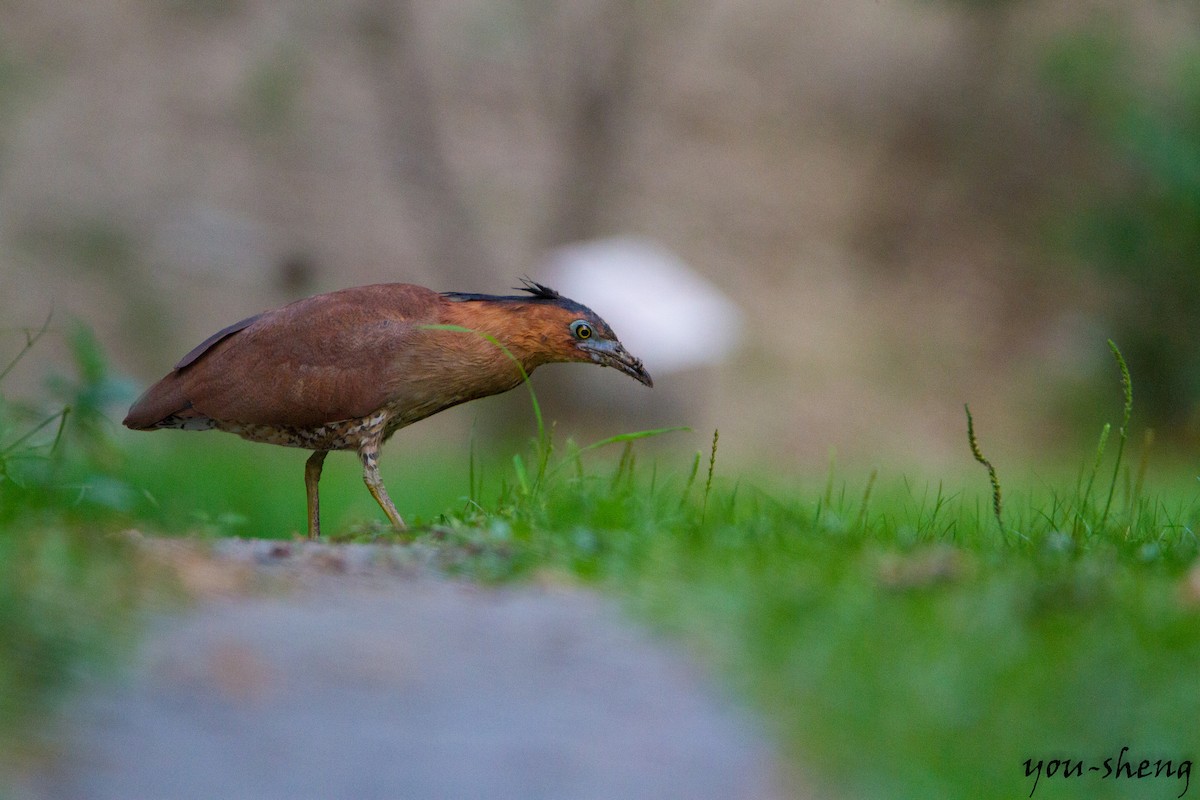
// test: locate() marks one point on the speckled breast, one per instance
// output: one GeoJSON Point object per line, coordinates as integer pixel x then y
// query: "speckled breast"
{"type": "Point", "coordinates": [348, 434]}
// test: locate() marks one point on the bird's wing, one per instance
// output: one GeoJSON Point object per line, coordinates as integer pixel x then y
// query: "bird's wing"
{"type": "Point", "coordinates": [204, 346]}
{"type": "Point", "coordinates": [315, 361]}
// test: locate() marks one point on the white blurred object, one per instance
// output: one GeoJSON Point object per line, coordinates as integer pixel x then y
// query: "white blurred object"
{"type": "Point", "coordinates": [663, 311]}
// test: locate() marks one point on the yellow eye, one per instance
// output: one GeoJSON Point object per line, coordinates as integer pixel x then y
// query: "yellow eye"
{"type": "Point", "coordinates": [581, 329]}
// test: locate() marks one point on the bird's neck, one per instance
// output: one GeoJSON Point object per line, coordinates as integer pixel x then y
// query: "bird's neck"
{"type": "Point", "coordinates": [508, 322]}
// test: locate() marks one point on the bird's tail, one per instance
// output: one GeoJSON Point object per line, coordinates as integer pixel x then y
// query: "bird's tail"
{"type": "Point", "coordinates": [159, 404]}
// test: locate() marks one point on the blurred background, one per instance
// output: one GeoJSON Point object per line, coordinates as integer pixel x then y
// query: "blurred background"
{"type": "Point", "coordinates": [881, 209]}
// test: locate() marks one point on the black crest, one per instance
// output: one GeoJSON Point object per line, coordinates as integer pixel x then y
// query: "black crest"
{"type": "Point", "coordinates": [539, 292]}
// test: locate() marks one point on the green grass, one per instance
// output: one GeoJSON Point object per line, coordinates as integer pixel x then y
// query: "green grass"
{"type": "Point", "coordinates": [902, 637]}
{"type": "Point", "coordinates": [216, 484]}
{"type": "Point", "coordinates": [895, 639]}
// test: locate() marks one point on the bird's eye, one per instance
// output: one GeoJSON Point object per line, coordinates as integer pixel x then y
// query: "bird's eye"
{"type": "Point", "coordinates": [581, 329]}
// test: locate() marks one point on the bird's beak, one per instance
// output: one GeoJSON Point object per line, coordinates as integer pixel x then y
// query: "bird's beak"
{"type": "Point", "coordinates": [613, 354]}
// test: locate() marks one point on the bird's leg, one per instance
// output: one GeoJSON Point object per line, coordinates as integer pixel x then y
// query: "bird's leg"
{"type": "Point", "coordinates": [312, 476]}
{"type": "Point", "coordinates": [369, 453]}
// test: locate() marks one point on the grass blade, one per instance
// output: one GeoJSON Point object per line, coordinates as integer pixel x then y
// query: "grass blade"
{"type": "Point", "coordinates": [522, 475]}
{"type": "Point", "coordinates": [978, 453]}
{"type": "Point", "coordinates": [1123, 431]}
{"type": "Point", "coordinates": [630, 437]}
{"type": "Point", "coordinates": [31, 338]}
{"type": "Point", "coordinates": [712, 464]}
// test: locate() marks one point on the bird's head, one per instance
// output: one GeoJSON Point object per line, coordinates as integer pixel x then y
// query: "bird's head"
{"type": "Point", "coordinates": [557, 328]}
{"type": "Point", "coordinates": [587, 337]}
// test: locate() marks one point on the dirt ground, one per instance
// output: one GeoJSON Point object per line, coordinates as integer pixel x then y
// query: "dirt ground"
{"type": "Point", "coordinates": [311, 671]}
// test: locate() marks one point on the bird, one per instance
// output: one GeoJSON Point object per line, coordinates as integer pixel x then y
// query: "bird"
{"type": "Point", "coordinates": [345, 370]}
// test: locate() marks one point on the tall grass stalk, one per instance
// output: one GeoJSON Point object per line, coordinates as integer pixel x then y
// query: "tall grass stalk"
{"type": "Point", "coordinates": [979, 456]}
{"type": "Point", "coordinates": [31, 338]}
{"type": "Point", "coordinates": [827, 497]}
{"type": "Point", "coordinates": [1123, 431]}
{"type": "Point", "coordinates": [712, 466]}
{"type": "Point", "coordinates": [18, 447]}
{"type": "Point", "coordinates": [472, 491]}
{"type": "Point", "coordinates": [1097, 460]}
{"type": "Point", "coordinates": [691, 480]}
{"type": "Point", "coordinates": [1143, 465]}
{"type": "Point", "coordinates": [860, 521]}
